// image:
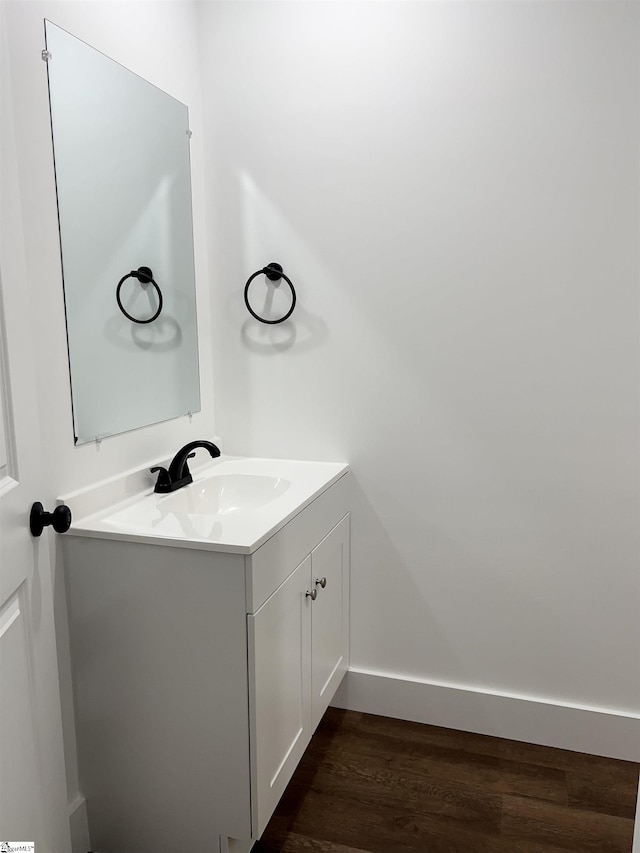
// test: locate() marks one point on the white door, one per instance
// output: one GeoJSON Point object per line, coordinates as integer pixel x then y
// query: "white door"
{"type": "Point", "coordinates": [33, 797]}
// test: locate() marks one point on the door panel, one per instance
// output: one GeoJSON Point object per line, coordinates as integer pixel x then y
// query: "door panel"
{"type": "Point", "coordinates": [21, 814]}
{"type": "Point", "coordinates": [330, 617]}
{"type": "Point", "coordinates": [279, 673]}
{"type": "Point", "coordinates": [4, 472]}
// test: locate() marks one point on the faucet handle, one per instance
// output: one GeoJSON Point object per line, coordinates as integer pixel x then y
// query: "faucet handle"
{"type": "Point", "coordinates": [163, 476]}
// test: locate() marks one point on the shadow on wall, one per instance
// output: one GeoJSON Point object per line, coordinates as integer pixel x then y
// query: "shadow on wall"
{"type": "Point", "coordinates": [307, 331]}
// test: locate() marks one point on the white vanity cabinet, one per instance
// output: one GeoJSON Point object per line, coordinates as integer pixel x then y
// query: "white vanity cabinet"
{"type": "Point", "coordinates": [298, 653]}
{"type": "Point", "coordinates": [200, 676]}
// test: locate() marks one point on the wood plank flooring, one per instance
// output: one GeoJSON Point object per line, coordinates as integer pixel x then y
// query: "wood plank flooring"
{"type": "Point", "coordinates": [374, 785]}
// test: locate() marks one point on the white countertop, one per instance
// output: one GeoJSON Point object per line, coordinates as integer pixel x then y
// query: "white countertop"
{"type": "Point", "coordinates": [234, 505]}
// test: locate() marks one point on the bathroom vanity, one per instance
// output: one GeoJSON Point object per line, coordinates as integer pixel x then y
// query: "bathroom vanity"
{"type": "Point", "coordinates": [209, 631]}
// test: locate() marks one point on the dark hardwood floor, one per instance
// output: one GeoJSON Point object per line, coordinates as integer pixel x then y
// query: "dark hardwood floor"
{"type": "Point", "coordinates": [374, 785]}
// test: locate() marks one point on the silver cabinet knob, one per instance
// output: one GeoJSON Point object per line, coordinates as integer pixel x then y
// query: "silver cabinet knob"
{"type": "Point", "coordinates": [321, 582]}
{"type": "Point", "coordinates": [312, 595]}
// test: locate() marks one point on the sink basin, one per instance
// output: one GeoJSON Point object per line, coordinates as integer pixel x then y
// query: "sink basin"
{"type": "Point", "coordinates": [225, 494]}
{"type": "Point", "coordinates": [234, 504]}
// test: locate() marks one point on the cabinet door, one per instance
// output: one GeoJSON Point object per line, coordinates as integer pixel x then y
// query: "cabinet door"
{"type": "Point", "coordinates": [279, 636]}
{"type": "Point", "coordinates": [330, 617]}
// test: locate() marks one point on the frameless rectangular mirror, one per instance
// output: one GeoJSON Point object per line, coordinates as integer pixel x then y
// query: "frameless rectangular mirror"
{"type": "Point", "coordinates": [121, 153]}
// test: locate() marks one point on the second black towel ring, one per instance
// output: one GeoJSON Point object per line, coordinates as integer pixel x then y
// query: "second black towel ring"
{"type": "Point", "coordinates": [273, 272]}
{"type": "Point", "coordinates": [144, 276]}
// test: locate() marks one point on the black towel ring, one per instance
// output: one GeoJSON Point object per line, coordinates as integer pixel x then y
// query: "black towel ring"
{"type": "Point", "coordinates": [273, 272]}
{"type": "Point", "coordinates": [144, 276]}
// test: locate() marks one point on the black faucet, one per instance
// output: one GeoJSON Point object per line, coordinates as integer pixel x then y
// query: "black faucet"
{"type": "Point", "coordinates": [178, 474]}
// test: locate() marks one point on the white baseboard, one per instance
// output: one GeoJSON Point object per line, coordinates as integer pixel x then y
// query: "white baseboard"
{"type": "Point", "coordinates": [597, 731]}
{"type": "Point", "coordinates": [79, 825]}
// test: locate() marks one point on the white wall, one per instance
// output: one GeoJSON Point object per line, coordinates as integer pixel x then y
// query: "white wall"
{"type": "Point", "coordinates": [454, 189]}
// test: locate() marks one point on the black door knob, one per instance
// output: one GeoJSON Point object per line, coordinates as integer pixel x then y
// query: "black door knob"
{"type": "Point", "coordinates": [59, 519]}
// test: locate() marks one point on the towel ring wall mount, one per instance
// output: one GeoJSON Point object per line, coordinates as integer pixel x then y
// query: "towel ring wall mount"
{"type": "Point", "coordinates": [273, 272]}
{"type": "Point", "coordinates": [144, 276]}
